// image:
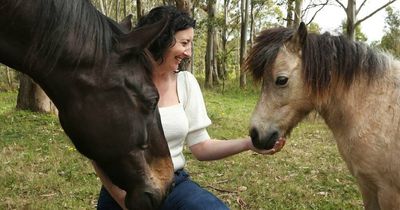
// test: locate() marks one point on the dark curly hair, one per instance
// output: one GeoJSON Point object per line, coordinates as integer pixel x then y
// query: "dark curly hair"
{"type": "Point", "coordinates": [178, 21]}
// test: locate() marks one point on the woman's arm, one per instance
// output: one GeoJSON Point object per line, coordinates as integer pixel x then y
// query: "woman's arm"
{"type": "Point", "coordinates": [213, 149]}
{"type": "Point", "coordinates": [116, 193]}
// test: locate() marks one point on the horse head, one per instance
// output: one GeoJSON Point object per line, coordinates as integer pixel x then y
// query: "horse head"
{"type": "Point", "coordinates": [98, 74]}
{"type": "Point", "coordinates": [276, 61]}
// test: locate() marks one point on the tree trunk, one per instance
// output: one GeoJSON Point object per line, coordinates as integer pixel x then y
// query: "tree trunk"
{"type": "Point", "coordinates": [243, 39]}
{"type": "Point", "coordinates": [351, 19]}
{"type": "Point", "coordinates": [223, 58]}
{"type": "Point", "coordinates": [289, 12]}
{"type": "Point", "coordinates": [125, 12]}
{"type": "Point", "coordinates": [139, 10]}
{"type": "Point", "coordinates": [215, 60]}
{"type": "Point", "coordinates": [10, 78]}
{"type": "Point", "coordinates": [297, 13]}
{"type": "Point", "coordinates": [102, 8]}
{"type": "Point", "coordinates": [251, 22]}
{"type": "Point", "coordinates": [117, 10]}
{"type": "Point", "coordinates": [32, 97]}
{"type": "Point", "coordinates": [208, 82]}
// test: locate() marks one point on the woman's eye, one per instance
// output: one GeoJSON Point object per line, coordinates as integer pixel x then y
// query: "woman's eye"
{"type": "Point", "coordinates": [281, 81]}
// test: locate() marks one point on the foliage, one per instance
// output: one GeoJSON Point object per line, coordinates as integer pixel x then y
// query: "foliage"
{"type": "Point", "coordinates": [359, 35]}
{"type": "Point", "coordinates": [391, 41]}
{"type": "Point", "coordinates": [41, 169]}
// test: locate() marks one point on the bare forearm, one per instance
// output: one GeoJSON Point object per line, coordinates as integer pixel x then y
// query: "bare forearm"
{"type": "Point", "coordinates": [218, 149]}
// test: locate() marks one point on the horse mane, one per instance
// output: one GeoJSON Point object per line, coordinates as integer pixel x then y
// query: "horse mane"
{"type": "Point", "coordinates": [326, 59]}
{"type": "Point", "coordinates": [69, 30]}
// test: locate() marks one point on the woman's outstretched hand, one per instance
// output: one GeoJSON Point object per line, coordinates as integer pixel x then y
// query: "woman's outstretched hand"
{"type": "Point", "coordinates": [277, 147]}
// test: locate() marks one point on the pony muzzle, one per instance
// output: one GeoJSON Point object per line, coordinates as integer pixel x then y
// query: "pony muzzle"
{"type": "Point", "coordinates": [264, 140]}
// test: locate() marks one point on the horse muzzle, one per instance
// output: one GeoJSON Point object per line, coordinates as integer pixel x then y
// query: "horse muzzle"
{"type": "Point", "coordinates": [145, 200]}
{"type": "Point", "coordinates": [264, 140]}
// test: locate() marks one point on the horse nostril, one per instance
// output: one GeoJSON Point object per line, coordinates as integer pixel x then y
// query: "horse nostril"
{"type": "Point", "coordinates": [144, 200]}
{"type": "Point", "coordinates": [255, 138]}
{"type": "Point", "coordinates": [151, 199]}
{"type": "Point", "coordinates": [253, 134]}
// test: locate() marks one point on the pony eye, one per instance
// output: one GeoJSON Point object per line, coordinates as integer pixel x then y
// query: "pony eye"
{"type": "Point", "coordinates": [281, 81]}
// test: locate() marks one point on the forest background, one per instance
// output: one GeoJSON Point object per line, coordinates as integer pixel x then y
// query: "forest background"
{"type": "Point", "coordinates": [226, 30]}
{"type": "Point", "coordinates": [41, 170]}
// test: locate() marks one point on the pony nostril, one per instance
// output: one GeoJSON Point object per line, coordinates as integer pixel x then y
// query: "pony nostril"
{"type": "Point", "coordinates": [272, 139]}
{"type": "Point", "coordinates": [255, 138]}
{"type": "Point", "coordinates": [253, 134]}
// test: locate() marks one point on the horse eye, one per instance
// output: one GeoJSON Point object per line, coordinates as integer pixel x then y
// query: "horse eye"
{"type": "Point", "coordinates": [281, 81]}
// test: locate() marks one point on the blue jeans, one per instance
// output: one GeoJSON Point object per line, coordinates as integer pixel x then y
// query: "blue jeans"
{"type": "Point", "coordinates": [186, 195]}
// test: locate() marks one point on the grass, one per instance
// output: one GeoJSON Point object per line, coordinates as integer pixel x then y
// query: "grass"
{"type": "Point", "coordinates": [40, 169]}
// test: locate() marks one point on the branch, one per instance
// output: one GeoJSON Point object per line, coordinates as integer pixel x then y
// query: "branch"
{"type": "Point", "coordinates": [359, 9]}
{"type": "Point", "coordinates": [373, 13]}
{"type": "Point", "coordinates": [315, 14]}
{"type": "Point", "coordinates": [340, 4]}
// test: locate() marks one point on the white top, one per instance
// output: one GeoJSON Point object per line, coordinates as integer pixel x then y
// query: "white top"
{"type": "Point", "coordinates": [187, 121]}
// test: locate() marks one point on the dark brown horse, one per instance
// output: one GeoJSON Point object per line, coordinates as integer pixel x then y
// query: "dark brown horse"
{"type": "Point", "coordinates": [355, 88]}
{"type": "Point", "coordinates": [98, 74]}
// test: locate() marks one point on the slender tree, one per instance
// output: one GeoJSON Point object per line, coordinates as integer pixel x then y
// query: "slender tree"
{"type": "Point", "coordinates": [208, 82]}
{"type": "Point", "coordinates": [289, 13]}
{"type": "Point", "coordinates": [243, 39]}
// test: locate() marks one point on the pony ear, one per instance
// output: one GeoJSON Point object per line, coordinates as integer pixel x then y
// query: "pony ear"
{"type": "Point", "coordinates": [142, 37]}
{"type": "Point", "coordinates": [126, 23]}
{"type": "Point", "coordinates": [299, 38]}
{"type": "Point", "coordinates": [302, 33]}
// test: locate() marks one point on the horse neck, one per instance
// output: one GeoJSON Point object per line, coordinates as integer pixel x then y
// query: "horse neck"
{"type": "Point", "coordinates": [363, 107]}
{"type": "Point", "coordinates": [24, 48]}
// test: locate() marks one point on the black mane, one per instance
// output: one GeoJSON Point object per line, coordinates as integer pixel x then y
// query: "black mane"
{"type": "Point", "coordinates": [70, 29]}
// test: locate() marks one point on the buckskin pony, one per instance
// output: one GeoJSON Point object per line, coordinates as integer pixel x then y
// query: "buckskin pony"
{"type": "Point", "coordinates": [355, 89]}
{"type": "Point", "coordinates": [98, 74]}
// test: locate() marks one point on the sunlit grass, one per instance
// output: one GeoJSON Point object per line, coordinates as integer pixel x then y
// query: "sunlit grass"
{"type": "Point", "coordinates": [40, 169]}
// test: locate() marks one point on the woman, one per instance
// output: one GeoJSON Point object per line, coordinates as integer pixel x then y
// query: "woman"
{"type": "Point", "coordinates": [183, 116]}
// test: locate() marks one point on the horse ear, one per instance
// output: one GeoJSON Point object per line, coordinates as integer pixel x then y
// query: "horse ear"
{"type": "Point", "coordinates": [302, 33]}
{"type": "Point", "coordinates": [126, 23]}
{"type": "Point", "coordinates": [299, 38]}
{"type": "Point", "coordinates": [142, 37]}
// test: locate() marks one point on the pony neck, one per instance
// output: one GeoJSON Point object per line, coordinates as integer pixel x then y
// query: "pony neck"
{"type": "Point", "coordinates": [348, 113]}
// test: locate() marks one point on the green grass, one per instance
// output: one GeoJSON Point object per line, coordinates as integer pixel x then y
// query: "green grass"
{"type": "Point", "coordinates": [41, 170]}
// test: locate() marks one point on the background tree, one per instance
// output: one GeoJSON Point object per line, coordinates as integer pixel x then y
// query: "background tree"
{"type": "Point", "coordinates": [243, 39]}
{"type": "Point", "coordinates": [226, 29]}
{"type": "Point", "coordinates": [391, 40]}
{"type": "Point", "coordinates": [32, 97]}
{"type": "Point", "coordinates": [351, 15]}
{"type": "Point", "coordinates": [209, 58]}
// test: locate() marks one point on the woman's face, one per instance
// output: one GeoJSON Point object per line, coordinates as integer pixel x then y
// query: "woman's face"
{"type": "Point", "coordinates": [180, 50]}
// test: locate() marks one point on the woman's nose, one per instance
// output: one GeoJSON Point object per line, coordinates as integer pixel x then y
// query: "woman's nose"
{"type": "Point", "coordinates": [188, 52]}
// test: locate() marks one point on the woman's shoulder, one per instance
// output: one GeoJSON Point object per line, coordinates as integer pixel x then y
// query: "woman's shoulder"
{"type": "Point", "coordinates": [186, 76]}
